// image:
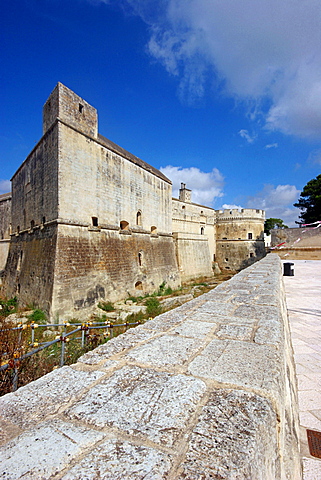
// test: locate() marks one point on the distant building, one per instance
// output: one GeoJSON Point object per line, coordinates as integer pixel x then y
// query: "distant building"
{"type": "Point", "coordinates": [89, 221]}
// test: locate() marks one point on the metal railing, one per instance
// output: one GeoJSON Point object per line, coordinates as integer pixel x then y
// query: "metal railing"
{"type": "Point", "coordinates": [13, 360]}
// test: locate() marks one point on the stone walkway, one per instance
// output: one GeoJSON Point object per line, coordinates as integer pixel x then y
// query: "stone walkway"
{"type": "Point", "coordinates": [303, 296]}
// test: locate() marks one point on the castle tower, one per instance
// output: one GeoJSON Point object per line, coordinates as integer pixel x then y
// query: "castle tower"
{"type": "Point", "coordinates": [239, 238]}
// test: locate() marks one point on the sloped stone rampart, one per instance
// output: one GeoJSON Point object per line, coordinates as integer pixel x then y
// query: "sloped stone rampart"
{"type": "Point", "coordinates": [205, 391]}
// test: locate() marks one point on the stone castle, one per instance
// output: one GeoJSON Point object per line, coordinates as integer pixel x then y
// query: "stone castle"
{"type": "Point", "coordinates": [88, 221]}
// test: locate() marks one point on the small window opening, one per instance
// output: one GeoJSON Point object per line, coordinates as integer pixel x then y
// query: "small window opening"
{"type": "Point", "coordinates": [43, 220]}
{"type": "Point", "coordinates": [202, 230]}
{"type": "Point", "coordinates": [124, 225]}
{"type": "Point", "coordinates": [202, 212]}
{"type": "Point", "coordinates": [249, 236]}
{"type": "Point", "coordinates": [139, 286]}
{"type": "Point", "coordinates": [231, 212]}
{"type": "Point", "coordinates": [226, 259]}
{"type": "Point", "coordinates": [139, 218]}
{"type": "Point", "coordinates": [32, 224]}
{"type": "Point", "coordinates": [224, 238]}
{"type": "Point", "coordinates": [81, 108]}
{"type": "Point", "coordinates": [140, 258]}
{"type": "Point", "coordinates": [18, 229]}
{"type": "Point", "coordinates": [251, 254]}
{"type": "Point", "coordinates": [94, 221]}
{"type": "Point", "coordinates": [153, 229]}
{"type": "Point", "coordinates": [183, 207]}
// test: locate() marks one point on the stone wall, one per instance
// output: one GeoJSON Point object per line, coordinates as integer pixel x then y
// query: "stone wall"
{"type": "Point", "coordinates": [5, 227]}
{"type": "Point", "coordinates": [95, 182]}
{"type": "Point", "coordinates": [29, 272]}
{"type": "Point", "coordinates": [207, 390]}
{"type": "Point", "coordinates": [104, 264]}
{"type": "Point", "coordinates": [300, 243]}
{"type": "Point", "coordinates": [193, 255]}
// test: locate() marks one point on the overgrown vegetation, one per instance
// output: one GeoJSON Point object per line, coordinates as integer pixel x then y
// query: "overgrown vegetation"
{"type": "Point", "coordinates": [153, 307]}
{"type": "Point", "coordinates": [106, 306]}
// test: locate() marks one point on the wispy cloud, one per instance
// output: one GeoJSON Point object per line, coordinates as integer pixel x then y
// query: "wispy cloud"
{"type": "Point", "coordinates": [271, 145]}
{"type": "Point", "coordinates": [277, 202]}
{"type": "Point", "coordinates": [315, 157]}
{"type": "Point", "coordinates": [5, 186]}
{"type": "Point", "coordinates": [245, 134]}
{"type": "Point", "coordinates": [205, 186]}
{"type": "Point", "coordinates": [266, 54]}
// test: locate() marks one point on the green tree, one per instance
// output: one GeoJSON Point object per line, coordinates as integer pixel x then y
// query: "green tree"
{"type": "Point", "coordinates": [310, 201]}
{"type": "Point", "coordinates": [271, 223]}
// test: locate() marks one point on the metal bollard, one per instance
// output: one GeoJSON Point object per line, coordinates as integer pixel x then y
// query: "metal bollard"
{"type": "Point", "coordinates": [288, 271]}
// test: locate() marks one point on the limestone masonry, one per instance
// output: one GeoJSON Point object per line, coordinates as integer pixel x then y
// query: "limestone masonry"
{"type": "Point", "coordinates": [89, 221]}
{"type": "Point", "coordinates": [205, 391]}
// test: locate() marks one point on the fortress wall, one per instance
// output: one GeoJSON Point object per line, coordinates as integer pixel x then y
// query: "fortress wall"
{"type": "Point", "coordinates": [193, 255]}
{"type": "Point", "coordinates": [104, 264]}
{"type": "Point", "coordinates": [237, 254]}
{"type": "Point", "coordinates": [304, 237]}
{"type": "Point", "coordinates": [29, 271]}
{"type": "Point", "coordinates": [35, 187]}
{"type": "Point", "coordinates": [96, 182]}
{"type": "Point", "coordinates": [207, 390]}
{"type": "Point", "coordinates": [5, 227]}
{"type": "Point", "coordinates": [192, 218]}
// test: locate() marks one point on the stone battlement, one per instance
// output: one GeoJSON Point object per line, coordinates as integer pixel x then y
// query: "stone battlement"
{"type": "Point", "coordinates": [244, 213]}
{"type": "Point", "coordinates": [207, 390]}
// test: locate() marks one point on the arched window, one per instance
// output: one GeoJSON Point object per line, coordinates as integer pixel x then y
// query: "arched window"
{"type": "Point", "coordinates": [140, 258]}
{"type": "Point", "coordinates": [153, 229]}
{"type": "Point", "coordinates": [139, 286]}
{"type": "Point", "coordinates": [139, 218]}
{"type": "Point", "coordinates": [124, 225]}
{"type": "Point", "coordinates": [202, 230]}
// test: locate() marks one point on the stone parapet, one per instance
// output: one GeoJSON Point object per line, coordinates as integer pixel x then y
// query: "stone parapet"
{"type": "Point", "coordinates": [204, 391]}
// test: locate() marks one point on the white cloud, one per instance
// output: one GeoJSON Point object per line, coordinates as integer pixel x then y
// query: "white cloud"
{"type": "Point", "coordinates": [205, 186]}
{"type": "Point", "coordinates": [277, 202]}
{"type": "Point", "coordinates": [245, 134]}
{"type": "Point", "coordinates": [271, 145]}
{"type": "Point", "coordinates": [266, 54]}
{"type": "Point", "coordinates": [226, 206]}
{"type": "Point", "coordinates": [5, 186]}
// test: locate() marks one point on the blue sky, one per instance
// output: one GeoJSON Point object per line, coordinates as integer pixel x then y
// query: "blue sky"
{"type": "Point", "coordinates": [223, 96]}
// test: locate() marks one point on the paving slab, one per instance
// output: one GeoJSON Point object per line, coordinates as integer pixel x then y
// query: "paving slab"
{"type": "Point", "coordinates": [303, 298]}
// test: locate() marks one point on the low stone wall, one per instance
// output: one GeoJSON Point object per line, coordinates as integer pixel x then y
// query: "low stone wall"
{"type": "Point", "coordinates": [204, 391]}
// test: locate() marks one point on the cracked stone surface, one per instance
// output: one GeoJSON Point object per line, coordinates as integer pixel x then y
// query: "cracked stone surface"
{"type": "Point", "coordinates": [31, 403]}
{"type": "Point", "coordinates": [233, 439]}
{"type": "Point", "coordinates": [165, 350]}
{"type": "Point", "coordinates": [120, 460]}
{"type": "Point", "coordinates": [141, 401]}
{"type": "Point", "coordinates": [44, 450]}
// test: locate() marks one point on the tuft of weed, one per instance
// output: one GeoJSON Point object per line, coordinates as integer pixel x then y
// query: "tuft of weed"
{"type": "Point", "coordinates": [38, 316]}
{"type": "Point", "coordinates": [153, 307]}
{"type": "Point", "coordinates": [106, 306]}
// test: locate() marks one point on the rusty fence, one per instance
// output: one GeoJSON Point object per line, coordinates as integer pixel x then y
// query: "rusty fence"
{"type": "Point", "coordinates": [13, 359]}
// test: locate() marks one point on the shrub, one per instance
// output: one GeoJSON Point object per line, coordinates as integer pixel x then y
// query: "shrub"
{"type": "Point", "coordinates": [106, 306]}
{"type": "Point", "coordinates": [38, 316]}
{"type": "Point", "coordinates": [153, 306]}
